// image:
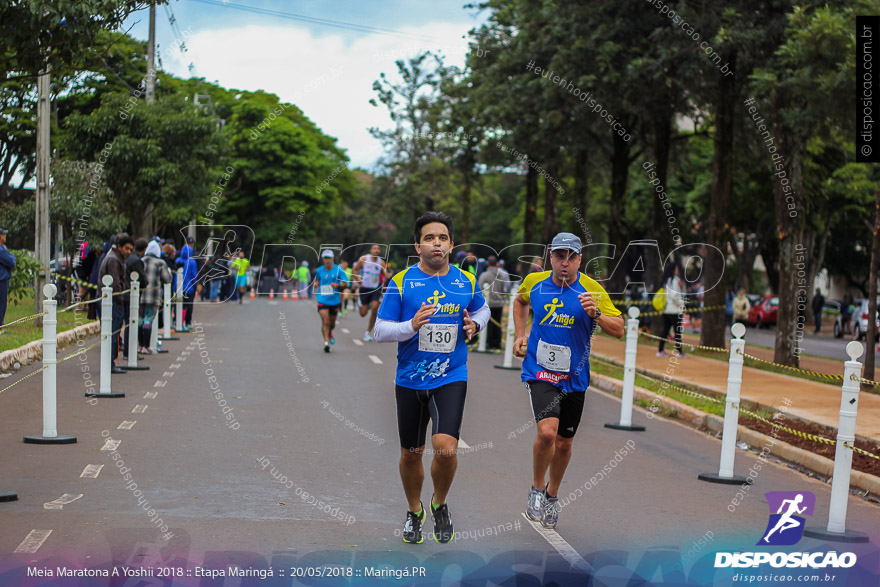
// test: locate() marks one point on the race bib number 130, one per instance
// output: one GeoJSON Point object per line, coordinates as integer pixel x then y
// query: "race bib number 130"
{"type": "Point", "coordinates": [438, 338]}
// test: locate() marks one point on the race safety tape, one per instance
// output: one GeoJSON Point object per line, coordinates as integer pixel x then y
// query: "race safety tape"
{"type": "Point", "coordinates": [776, 425]}
{"type": "Point", "coordinates": [813, 373]}
{"type": "Point", "coordinates": [687, 311]}
{"type": "Point", "coordinates": [8, 324]}
{"type": "Point", "coordinates": [29, 375]}
{"type": "Point", "coordinates": [692, 346]}
{"type": "Point", "coordinates": [76, 281]}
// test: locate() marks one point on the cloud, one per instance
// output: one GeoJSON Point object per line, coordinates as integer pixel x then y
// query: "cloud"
{"type": "Point", "coordinates": [328, 76]}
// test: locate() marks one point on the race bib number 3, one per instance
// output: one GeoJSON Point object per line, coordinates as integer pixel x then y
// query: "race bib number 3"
{"type": "Point", "coordinates": [555, 357]}
{"type": "Point", "coordinates": [438, 338]}
{"type": "Point", "coordinates": [326, 290]}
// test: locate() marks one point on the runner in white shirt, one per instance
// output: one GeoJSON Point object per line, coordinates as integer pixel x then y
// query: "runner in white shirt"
{"type": "Point", "coordinates": [371, 268]}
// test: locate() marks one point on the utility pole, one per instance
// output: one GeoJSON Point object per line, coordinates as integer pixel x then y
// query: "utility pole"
{"type": "Point", "coordinates": [151, 57]}
{"type": "Point", "coordinates": [41, 226]}
{"type": "Point", "coordinates": [151, 98]}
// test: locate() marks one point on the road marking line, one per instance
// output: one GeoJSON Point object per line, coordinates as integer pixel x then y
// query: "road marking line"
{"type": "Point", "coordinates": [375, 359]}
{"type": "Point", "coordinates": [91, 472]}
{"type": "Point", "coordinates": [126, 425]}
{"type": "Point", "coordinates": [139, 409]}
{"type": "Point", "coordinates": [110, 444]}
{"type": "Point", "coordinates": [57, 504]}
{"type": "Point", "coordinates": [346, 331]}
{"type": "Point", "coordinates": [151, 395]}
{"type": "Point", "coordinates": [174, 366]}
{"type": "Point", "coordinates": [168, 374]}
{"type": "Point", "coordinates": [358, 342]}
{"type": "Point", "coordinates": [181, 358]}
{"type": "Point", "coordinates": [160, 384]}
{"type": "Point", "coordinates": [462, 444]}
{"type": "Point", "coordinates": [561, 546]}
{"type": "Point", "coordinates": [33, 541]}
{"type": "Point", "coordinates": [186, 352]}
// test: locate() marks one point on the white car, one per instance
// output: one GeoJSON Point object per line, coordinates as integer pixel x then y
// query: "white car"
{"type": "Point", "coordinates": [860, 320]}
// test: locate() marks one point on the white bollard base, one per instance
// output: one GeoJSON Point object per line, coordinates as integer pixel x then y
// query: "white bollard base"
{"type": "Point", "coordinates": [108, 394]}
{"type": "Point", "coordinates": [633, 428]}
{"type": "Point", "coordinates": [848, 536]}
{"type": "Point", "coordinates": [40, 439]}
{"type": "Point", "coordinates": [8, 496]}
{"type": "Point", "coordinates": [716, 478]}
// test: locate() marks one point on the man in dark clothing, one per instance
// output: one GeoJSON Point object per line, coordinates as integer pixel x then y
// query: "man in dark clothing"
{"type": "Point", "coordinates": [494, 284]}
{"type": "Point", "coordinates": [114, 266]}
{"type": "Point", "coordinates": [7, 264]}
{"type": "Point", "coordinates": [818, 303]}
{"type": "Point", "coordinates": [134, 263]}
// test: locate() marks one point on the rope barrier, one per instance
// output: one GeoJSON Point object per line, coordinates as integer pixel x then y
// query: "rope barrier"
{"type": "Point", "coordinates": [687, 311]}
{"type": "Point", "coordinates": [683, 343]}
{"type": "Point", "coordinates": [749, 413]}
{"type": "Point", "coordinates": [75, 280]}
{"type": "Point", "coordinates": [26, 318]}
{"type": "Point", "coordinates": [22, 379]}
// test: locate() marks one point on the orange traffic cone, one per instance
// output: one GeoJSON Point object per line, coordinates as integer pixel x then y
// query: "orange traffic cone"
{"type": "Point", "coordinates": [271, 294]}
{"type": "Point", "coordinates": [252, 294]}
{"type": "Point", "coordinates": [284, 297]}
{"type": "Point", "coordinates": [686, 321]}
{"type": "Point", "coordinates": [294, 295]}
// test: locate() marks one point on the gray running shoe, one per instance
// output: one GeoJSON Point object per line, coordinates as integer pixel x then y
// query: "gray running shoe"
{"type": "Point", "coordinates": [551, 512]}
{"type": "Point", "coordinates": [535, 509]}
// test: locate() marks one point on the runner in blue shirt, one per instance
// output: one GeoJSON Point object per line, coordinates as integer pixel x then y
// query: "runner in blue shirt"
{"type": "Point", "coordinates": [329, 279]}
{"type": "Point", "coordinates": [567, 307]}
{"type": "Point", "coordinates": [430, 310]}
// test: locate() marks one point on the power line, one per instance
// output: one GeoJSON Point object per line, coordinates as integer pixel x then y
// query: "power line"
{"type": "Point", "coordinates": [175, 29]}
{"type": "Point", "coordinates": [314, 20]}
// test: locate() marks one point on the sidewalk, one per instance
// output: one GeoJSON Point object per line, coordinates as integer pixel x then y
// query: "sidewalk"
{"type": "Point", "coordinates": [816, 402]}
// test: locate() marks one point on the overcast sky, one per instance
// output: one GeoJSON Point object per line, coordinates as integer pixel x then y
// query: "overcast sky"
{"type": "Point", "coordinates": [242, 50]}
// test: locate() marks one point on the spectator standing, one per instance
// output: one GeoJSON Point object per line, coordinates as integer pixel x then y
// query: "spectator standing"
{"type": "Point", "coordinates": [157, 274]}
{"type": "Point", "coordinates": [499, 284]}
{"type": "Point", "coordinates": [114, 266]}
{"type": "Point", "coordinates": [741, 307]}
{"type": "Point", "coordinates": [7, 264]}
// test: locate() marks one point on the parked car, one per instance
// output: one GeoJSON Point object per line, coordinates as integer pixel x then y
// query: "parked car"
{"type": "Point", "coordinates": [764, 313]}
{"type": "Point", "coordinates": [860, 321]}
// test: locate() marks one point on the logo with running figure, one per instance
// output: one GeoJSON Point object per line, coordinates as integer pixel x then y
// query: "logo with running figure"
{"type": "Point", "coordinates": [786, 526]}
{"type": "Point", "coordinates": [443, 308]}
{"type": "Point", "coordinates": [555, 318]}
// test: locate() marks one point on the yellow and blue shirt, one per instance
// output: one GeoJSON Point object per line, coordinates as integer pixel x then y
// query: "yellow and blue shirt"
{"type": "Point", "coordinates": [453, 293]}
{"type": "Point", "coordinates": [559, 343]}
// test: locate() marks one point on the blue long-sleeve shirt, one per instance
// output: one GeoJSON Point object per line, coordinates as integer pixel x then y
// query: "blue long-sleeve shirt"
{"type": "Point", "coordinates": [7, 263]}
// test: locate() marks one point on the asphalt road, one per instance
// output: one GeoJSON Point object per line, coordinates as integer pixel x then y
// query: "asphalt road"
{"type": "Point", "coordinates": [325, 425]}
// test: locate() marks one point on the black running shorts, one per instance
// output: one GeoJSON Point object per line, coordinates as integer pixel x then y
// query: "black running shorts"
{"type": "Point", "coordinates": [368, 295]}
{"type": "Point", "coordinates": [334, 308]}
{"type": "Point", "coordinates": [548, 401]}
{"type": "Point", "coordinates": [444, 405]}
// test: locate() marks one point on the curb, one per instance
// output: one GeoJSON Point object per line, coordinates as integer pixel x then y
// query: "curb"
{"type": "Point", "coordinates": [32, 352]}
{"type": "Point", "coordinates": [701, 420]}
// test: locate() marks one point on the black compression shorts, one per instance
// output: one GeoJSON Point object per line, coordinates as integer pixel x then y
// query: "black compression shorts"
{"type": "Point", "coordinates": [444, 405]}
{"type": "Point", "coordinates": [368, 295]}
{"type": "Point", "coordinates": [548, 401]}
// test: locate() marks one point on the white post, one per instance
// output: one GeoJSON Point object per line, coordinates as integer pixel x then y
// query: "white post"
{"type": "Point", "coordinates": [50, 363]}
{"type": "Point", "coordinates": [166, 316]}
{"type": "Point", "coordinates": [106, 341]}
{"type": "Point", "coordinates": [731, 412]}
{"type": "Point", "coordinates": [154, 333]}
{"type": "Point", "coordinates": [178, 320]}
{"type": "Point", "coordinates": [509, 339]}
{"type": "Point", "coordinates": [846, 433]}
{"type": "Point", "coordinates": [481, 345]}
{"type": "Point", "coordinates": [133, 309]}
{"type": "Point", "coordinates": [629, 374]}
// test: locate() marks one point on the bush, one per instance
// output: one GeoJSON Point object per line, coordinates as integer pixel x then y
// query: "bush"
{"type": "Point", "coordinates": [23, 276]}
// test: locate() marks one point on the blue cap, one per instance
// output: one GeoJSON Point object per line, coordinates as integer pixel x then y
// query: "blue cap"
{"type": "Point", "coordinates": [566, 240]}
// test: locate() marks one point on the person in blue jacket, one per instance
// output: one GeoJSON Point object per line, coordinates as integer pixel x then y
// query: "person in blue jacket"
{"type": "Point", "coordinates": [190, 272]}
{"type": "Point", "coordinates": [7, 264]}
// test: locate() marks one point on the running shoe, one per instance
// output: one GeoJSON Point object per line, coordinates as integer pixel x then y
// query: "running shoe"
{"type": "Point", "coordinates": [412, 528]}
{"type": "Point", "coordinates": [662, 354]}
{"type": "Point", "coordinates": [443, 531]}
{"type": "Point", "coordinates": [367, 336]}
{"type": "Point", "coordinates": [326, 347]}
{"type": "Point", "coordinates": [535, 508]}
{"type": "Point", "coordinates": [551, 513]}
{"type": "Point", "coordinates": [332, 339]}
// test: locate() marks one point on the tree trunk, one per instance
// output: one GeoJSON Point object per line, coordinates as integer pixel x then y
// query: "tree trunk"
{"type": "Point", "coordinates": [581, 199]}
{"type": "Point", "coordinates": [530, 220]}
{"type": "Point", "coordinates": [551, 215]}
{"type": "Point", "coordinates": [465, 230]}
{"type": "Point", "coordinates": [872, 292]}
{"type": "Point", "coordinates": [791, 253]}
{"type": "Point", "coordinates": [661, 229]}
{"type": "Point", "coordinates": [617, 231]}
{"type": "Point", "coordinates": [715, 322]}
